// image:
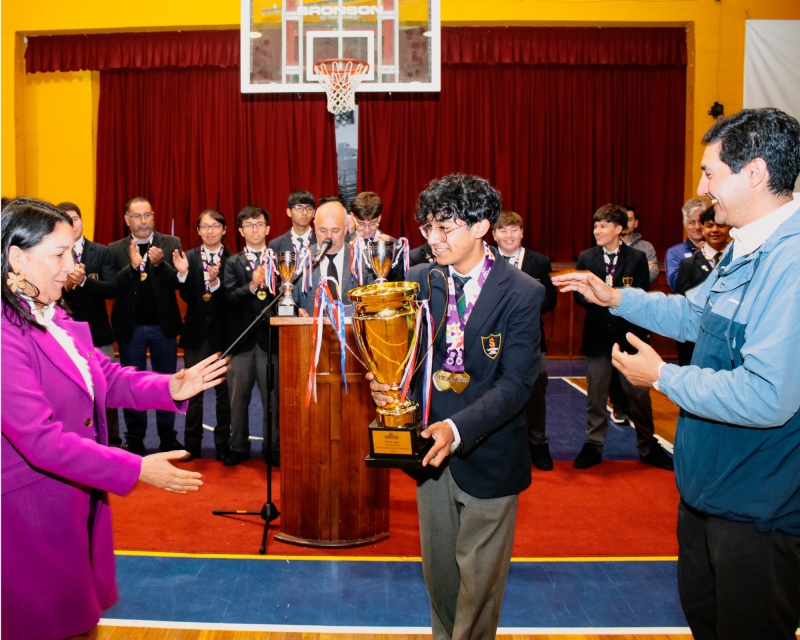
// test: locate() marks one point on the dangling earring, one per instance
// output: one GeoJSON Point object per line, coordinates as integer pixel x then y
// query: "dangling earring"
{"type": "Point", "coordinates": [16, 280]}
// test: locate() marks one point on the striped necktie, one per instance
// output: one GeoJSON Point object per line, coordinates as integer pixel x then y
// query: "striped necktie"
{"type": "Point", "coordinates": [461, 300]}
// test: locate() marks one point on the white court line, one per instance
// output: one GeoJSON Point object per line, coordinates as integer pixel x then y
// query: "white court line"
{"type": "Point", "coordinates": [208, 428]}
{"type": "Point", "coordinates": [286, 628]}
{"type": "Point", "coordinates": [663, 442]}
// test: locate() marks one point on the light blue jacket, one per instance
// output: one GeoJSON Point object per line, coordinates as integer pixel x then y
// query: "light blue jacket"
{"type": "Point", "coordinates": [750, 473]}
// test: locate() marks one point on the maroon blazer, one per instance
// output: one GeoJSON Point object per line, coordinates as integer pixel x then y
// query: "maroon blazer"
{"type": "Point", "coordinates": [56, 468]}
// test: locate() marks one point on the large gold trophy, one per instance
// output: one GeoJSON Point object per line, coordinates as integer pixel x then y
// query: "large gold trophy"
{"type": "Point", "coordinates": [385, 325]}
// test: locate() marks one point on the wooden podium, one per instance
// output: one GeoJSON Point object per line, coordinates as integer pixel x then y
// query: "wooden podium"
{"type": "Point", "coordinates": [329, 498]}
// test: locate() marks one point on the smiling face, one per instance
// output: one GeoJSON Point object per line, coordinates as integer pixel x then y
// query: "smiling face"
{"type": "Point", "coordinates": [607, 234]}
{"type": "Point", "coordinates": [210, 231]}
{"type": "Point", "coordinates": [716, 235]}
{"type": "Point", "coordinates": [509, 239]}
{"type": "Point", "coordinates": [694, 229]}
{"type": "Point", "coordinates": [727, 190]}
{"type": "Point", "coordinates": [47, 265]}
{"type": "Point", "coordinates": [455, 243]}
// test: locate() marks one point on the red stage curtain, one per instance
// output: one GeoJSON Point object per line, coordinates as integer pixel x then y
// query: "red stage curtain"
{"type": "Point", "coordinates": [557, 140]}
{"type": "Point", "coordinates": [188, 139]}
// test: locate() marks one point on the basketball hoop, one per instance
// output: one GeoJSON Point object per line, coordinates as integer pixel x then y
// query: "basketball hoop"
{"type": "Point", "coordinates": [341, 78]}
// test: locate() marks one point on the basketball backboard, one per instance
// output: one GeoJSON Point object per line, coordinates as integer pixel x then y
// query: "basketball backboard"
{"type": "Point", "coordinates": [400, 40]}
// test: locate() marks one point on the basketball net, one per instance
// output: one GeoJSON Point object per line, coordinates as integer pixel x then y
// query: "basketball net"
{"type": "Point", "coordinates": [341, 79]}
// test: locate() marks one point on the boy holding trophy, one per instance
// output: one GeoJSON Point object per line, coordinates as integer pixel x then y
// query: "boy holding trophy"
{"type": "Point", "coordinates": [485, 361]}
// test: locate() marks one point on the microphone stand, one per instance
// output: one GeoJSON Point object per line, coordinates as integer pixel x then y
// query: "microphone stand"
{"type": "Point", "coordinates": [269, 511]}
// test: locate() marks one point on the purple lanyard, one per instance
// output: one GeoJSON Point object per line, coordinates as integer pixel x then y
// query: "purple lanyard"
{"type": "Point", "coordinates": [611, 267]}
{"type": "Point", "coordinates": [454, 362]}
{"type": "Point", "coordinates": [206, 264]}
{"type": "Point", "coordinates": [143, 264]}
{"type": "Point", "coordinates": [77, 255]}
{"type": "Point", "coordinates": [251, 258]}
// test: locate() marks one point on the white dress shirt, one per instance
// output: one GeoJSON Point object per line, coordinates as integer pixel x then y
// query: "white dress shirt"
{"type": "Point", "coordinates": [211, 256]}
{"type": "Point", "coordinates": [339, 262]}
{"type": "Point", "coordinates": [751, 236]}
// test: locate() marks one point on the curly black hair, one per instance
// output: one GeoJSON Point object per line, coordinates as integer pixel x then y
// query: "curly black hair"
{"type": "Point", "coordinates": [462, 197]}
{"type": "Point", "coordinates": [769, 134]}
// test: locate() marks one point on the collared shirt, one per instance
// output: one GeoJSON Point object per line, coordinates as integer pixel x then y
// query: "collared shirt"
{"type": "Point", "coordinates": [709, 252]}
{"type": "Point", "coordinates": [78, 249]}
{"type": "Point", "coordinates": [515, 259]}
{"type": "Point", "coordinates": [304, 238]}
{"type": "Point", "coordinates": [148, 241]}
{"type": "Point", "coordinates": [751, 236]}
{"type": "Point", "coordinates": [338, 260]}
{"type": "Point", "coordinates": [471, 292]}
{"type": "Point", "coordinates": [212, 258]}
{"type": "Point", "coordinates": [44, 316]}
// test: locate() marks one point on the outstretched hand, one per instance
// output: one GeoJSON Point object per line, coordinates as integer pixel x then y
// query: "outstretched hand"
{"type": "Point", "coordinates": [443, 438]}
{"type": "Point", "coordinates": [641, 370]}
{"type": "Point", "coordinates": [157, 470]}
{"type": "Point", "coordinates": [207, 373]}
{"type": "Point", "coordinates": [590, 287]}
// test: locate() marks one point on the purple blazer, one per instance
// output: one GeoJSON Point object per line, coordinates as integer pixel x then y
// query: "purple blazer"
{"type": "Point", "coordinates": [56, 578]}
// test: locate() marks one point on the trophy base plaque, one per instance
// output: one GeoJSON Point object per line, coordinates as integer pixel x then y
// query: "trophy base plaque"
{"type": "Point", "coordinates": [397, 447]}
{"type": "Point", "coordinates": [287, 310]}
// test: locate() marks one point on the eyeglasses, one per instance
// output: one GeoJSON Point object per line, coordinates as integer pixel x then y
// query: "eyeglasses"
{"type": "Point", "coordinates": [216, 226]}
{"type": "Point", "coordinates": [429, 232]}
{"type": "Point", "coordinates": [308, 208]}
{"type": "Point", "coordinates": [138, 217]}
{"type": "Point", "coordinates": [254, 225]}
{"type": "Point", "coordinates": [368, 225]}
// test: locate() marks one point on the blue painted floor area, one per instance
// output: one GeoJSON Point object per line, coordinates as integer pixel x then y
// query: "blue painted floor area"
{"type": "Point", "coordinates": [566, 420]}
{"type": "Point", "coordinates": [391, 594]}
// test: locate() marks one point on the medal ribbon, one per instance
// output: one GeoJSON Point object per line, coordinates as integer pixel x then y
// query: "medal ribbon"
{"type": "Point", "coordinates": [405, 252]}
{"type": "Point", "coordinates": [143, 264]}
{"type": "Point", "coordinates": [270, 271]}
{"type": "Point", "coordinates": [251, 258]}
{"type": "Point", "coordinates": [611, 267]}
{"type": "Point", "coordinates": [454, 362]}
{"type": "Point", "coordinates": [206, 259]}
{"type": "Point", "coordinates": [77, 255]}
{"type": "Point", "coordinates": [357, 249]}
{"type": "Point", "coordinates": [305, 265]}
{"type": "Point", "coordinates": [324, 302]}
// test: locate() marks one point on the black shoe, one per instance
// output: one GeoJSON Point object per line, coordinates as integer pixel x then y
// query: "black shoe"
{"type": "Point", "coordinates": [133, 447]}
{"type": "Point", "coordinates": [115, 442]}
{"type": "Point", "coordinates": [658, 458]}
{"type": "Point", "coordinates": [540, 456]}
{"type": "Point", "coordinates": [171, 446]}
{"type": "Point", "coordinates": [232, 458]}
{"type": "Point", "coordinates": [222, 451]}
{"type": "Point", "coordinates": [588, 457]}
{"type": "Point", "coordinates": [275, 460]}
{"type": "Point", "coordinates": [620, 417]}
{"type": "Point", "coordinates": [194, 453]}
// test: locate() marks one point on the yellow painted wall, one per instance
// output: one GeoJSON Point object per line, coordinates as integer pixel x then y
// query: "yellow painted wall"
{"type": "Point", "coordinates": [47, 122]}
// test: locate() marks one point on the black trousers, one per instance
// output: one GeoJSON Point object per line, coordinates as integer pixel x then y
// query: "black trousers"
{"type": "Point", "coordinates": [736, 583]}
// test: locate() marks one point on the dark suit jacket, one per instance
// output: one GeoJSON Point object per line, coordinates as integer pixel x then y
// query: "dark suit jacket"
{"type": "Point", "coordinates": [348, 282]}
{"type": "Point", "coordinates": [284, 242]}
{"type": "Point", "coordinates": [692, 272]}
{"type": "Point", "coordinates": [203, 319]}
{"type": "Point", "coordinates": [492, 460]}
{"type": "Point", "coordinates": [88, 303]}
{"type": "Point", "coordinates": [422, 255]}
{"type": "Point", "coordinates": [538, 267]}
{"type": "Point", "coordinates": [244, 306]}
{"type": "Point", "coordinates": [163, 278]}
{"type": "Point", "coordinates": [601, 329]}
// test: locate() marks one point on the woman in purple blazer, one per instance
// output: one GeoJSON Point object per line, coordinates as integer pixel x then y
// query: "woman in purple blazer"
{"type": "Point", "coordinates": [57, 547]}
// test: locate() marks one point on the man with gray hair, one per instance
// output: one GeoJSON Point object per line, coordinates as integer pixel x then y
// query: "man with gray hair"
{"type": "Point", "coordinates": [694, 238]}
{"type": "Point", "coordinates": [737, 446]}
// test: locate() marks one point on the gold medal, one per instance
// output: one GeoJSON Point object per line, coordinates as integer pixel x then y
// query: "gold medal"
{"type": "Point", "coordinates": [143, 276]}
{"type": "Point", "coordinates": [262, 295]}
{"type": "Point", "coordinates": [441, 380]}
{"type": "Point", "coordinates": [206, 297]}
{"type": "Point", "coordinates": [459, 381]}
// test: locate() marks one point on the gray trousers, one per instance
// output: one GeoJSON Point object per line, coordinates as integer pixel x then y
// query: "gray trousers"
{"type": "Point", "coordinates": [536, 409]}
{"type": "Point", "coordinates": [466, 551]}
{"type": "Point", "coordinates": [246, 369]}
{"type": "Point", "coordinates": [598, 377]}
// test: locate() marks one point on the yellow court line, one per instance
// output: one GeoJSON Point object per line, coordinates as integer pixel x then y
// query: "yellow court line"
{"type": "Point", "coordinates": [231, 556]}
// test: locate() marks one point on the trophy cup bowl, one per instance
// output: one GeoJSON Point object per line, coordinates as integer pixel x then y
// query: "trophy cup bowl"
{"type": "Point", "coordinates": [384, 324]}
{"type": "Point", "coordinates": [381, 255]}
{"type": "Point", "coordinates": [286, 266]}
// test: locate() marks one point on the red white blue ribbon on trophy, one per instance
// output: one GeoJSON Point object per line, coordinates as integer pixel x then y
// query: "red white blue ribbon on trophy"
{"type": "Point", "coordinates": [270, 271]}
{"type": "Point", "coordinates": [325, 303]}
{"type": "Point", "coordinates": [305, 264]}
{"type": "Point", "coordinates": [405, 251]}
{"type": "Point", "coordinates": [408, 374]}
{"type": "Point", "coordinates": [357, 256]}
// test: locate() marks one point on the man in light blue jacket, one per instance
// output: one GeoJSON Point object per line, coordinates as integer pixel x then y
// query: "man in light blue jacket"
{"type": "Point", "coordinates": [737, 447]}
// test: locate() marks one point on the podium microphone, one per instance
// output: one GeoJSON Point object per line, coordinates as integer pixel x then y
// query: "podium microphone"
{"type": "Point", "coordinates": [323, 249]}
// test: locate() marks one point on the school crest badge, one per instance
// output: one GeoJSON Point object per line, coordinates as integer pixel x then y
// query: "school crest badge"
{"type": "Point", "coordinates": [491, 344]}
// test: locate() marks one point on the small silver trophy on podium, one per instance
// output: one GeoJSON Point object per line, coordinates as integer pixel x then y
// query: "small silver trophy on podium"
{"type": "Point", "coordinates": [381, 254]}
{"type": "Point", "coordinates": [286, 267]}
